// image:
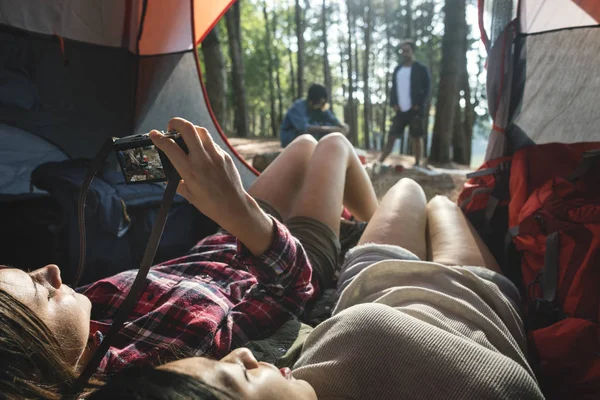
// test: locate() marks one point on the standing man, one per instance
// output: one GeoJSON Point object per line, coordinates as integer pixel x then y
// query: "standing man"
{"type": "Point", "coordinates": [410, 88]}
{"type": "Point", "coordinates": [311, 116]}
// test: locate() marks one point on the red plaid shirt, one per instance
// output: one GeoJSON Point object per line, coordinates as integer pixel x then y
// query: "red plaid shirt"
{"type": "Point", "coordinates": [217, 297]}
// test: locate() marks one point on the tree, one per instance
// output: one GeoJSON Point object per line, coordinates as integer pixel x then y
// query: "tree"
{"type": "Point", "coordinates": [300, 54]}
{"type": "Point", "coordinates": [449, 81]}
{"type": "Point", "coordinates": [326, 66]}
{"type": "Point", "coordinates": [351, 111]}
{"type": "Point", "coordinates": [273, 114]}
{"type": "Point", "coordinates": [277, 77]}
{"type": "Point", "coordinates": [366, 92]}
{"type": "Point", "coordinates": [409, 20]}
{"type": "Point", "coordinates": [232, 18]}
{"type": "Point", "coordinates": [293, 92]}
{"type": "Point", "coordinates": [215, 75]}
{"type": "Point", "coordinates": [461, 139]}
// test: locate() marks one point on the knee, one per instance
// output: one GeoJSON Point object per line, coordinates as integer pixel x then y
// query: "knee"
{"type": "Point", "coordinates": [303, 144]}
{"type": "Point", "coordinates": [306, 139]}
{"type": "Point", "coordinates": [440, 202]}
{"type": "Point", "coordinates": [411, 188]}
{"type": "Point", "coordinates": [409, 184]}
{"type": "Point", "coordinates": [335, 140]}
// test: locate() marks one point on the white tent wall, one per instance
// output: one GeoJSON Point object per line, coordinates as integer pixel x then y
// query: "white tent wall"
{"type": "Point", "coordinates": [543, 84]}
{"type": "Point", "coordinates": [546, 15]}
{"type": "Point", "coordinates": [562, 90]}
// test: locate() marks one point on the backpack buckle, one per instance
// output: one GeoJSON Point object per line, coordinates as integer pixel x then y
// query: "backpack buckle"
{"type": "Point", "coordinates": [543, 313]}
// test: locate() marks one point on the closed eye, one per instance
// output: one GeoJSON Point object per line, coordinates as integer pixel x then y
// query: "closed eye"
{"type": "Point", "coordinates": [51, 292]}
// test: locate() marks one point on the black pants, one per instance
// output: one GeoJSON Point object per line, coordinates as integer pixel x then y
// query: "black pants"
{"type": "Point", "coordinates": [404, 118]}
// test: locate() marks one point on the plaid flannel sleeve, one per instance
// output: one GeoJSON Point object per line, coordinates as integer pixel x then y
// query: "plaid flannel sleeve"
{"type": "Point", "coordinates": [284, 283]}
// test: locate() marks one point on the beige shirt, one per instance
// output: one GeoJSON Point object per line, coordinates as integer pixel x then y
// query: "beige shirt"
{"type": "Point", "coordinates": [419, 330]}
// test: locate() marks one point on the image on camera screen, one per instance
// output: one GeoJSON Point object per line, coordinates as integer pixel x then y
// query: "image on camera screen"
{"type": "Point", "coordinates": [141, 164]}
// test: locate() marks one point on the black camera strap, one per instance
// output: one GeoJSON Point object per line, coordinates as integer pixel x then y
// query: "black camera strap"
{"type": "Point", "coordinates": [138, 284]}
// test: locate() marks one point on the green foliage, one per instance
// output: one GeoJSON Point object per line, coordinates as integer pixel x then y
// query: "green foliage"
{"type": "Point", "coordinates": [389, 29]}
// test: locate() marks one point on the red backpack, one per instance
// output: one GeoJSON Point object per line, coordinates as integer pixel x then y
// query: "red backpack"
{"type": "Point", "coordinates": [554, 219]}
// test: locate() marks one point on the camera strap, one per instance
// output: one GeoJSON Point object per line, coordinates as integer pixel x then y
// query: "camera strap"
{"type": "Point", "coordinates": [151, 248]}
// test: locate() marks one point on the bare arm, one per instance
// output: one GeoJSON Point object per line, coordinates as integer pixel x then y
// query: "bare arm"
{"type": "Point", "coordinates": [211, 182]}
{"type": "Point", "coordinates": [328, 129]}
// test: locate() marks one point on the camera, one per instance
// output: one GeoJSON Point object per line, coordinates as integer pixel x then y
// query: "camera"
{"type": "Point", "coordinates": [141, 161]}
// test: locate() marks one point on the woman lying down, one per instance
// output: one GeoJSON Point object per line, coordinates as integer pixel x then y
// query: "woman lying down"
{"type": "Point", "coordinates": [403, 328]}
{"type": "Point", "coordinates": [278, 248]}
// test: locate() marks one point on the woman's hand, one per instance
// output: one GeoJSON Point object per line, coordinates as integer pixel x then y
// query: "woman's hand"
{"type": "Point", "coordinates": [211, 182]}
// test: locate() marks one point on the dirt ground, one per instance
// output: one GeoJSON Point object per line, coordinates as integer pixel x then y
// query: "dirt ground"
{"type": "Point", "coordinates": [447, 181]}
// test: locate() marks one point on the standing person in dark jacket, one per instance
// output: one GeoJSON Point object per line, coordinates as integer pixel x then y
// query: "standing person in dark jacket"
{"type": "Point", "coordinates": [410, 88]}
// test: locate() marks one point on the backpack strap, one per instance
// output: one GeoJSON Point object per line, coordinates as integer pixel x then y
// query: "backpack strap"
{"type": "Point", "coordinates": [550, 270]}
{"type": "Point", "coordinates": [140, 279]}
{"type": "Point", "coordinates": [588, 159]}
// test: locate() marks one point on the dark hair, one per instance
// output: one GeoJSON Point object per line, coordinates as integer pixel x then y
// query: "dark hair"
{"type": "Point", "coordinates": [148, 383]}
{"type": "Point", "coordinates": [317, 92]}
{"type": "Point", "coordinates": [411, 43]}
{"type": "Point", "coordinates": [32, 364]}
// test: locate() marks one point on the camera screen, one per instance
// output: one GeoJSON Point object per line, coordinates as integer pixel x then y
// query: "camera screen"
{"type": "Point", "coordinates": [141, 164]}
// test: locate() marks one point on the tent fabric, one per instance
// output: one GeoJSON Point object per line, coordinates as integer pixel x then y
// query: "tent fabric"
{"type": "Point", "coordinates": [546, 15]}
{"type": "Point", "coordinates": [20, 153]}
{"type": "Point", "coordinates": [116, 23]}
{"type": "Point", "coordinates": [562, 91]}
{"type": "Point", "coordinates": [78, 89]}
{"type": "Point", "coordinates": [495, 15]}
{"type": "Point", "coordinates": [542, 81]}
{"type": "Point", "coordinates": [169, 86]}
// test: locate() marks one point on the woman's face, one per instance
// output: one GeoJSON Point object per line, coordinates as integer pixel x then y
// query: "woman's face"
{"type": "Point", "coordinates": [241, 374]}
{"type": "Point", "coordinates": [66, 313]}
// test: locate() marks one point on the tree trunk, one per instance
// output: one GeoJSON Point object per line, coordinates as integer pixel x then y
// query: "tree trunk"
{"type": "Point", "coordinates": [458, 134]}
{"type": "Point", "coordinates": [351, 111]}
{"type": "Point", "coordinates": [232, 18]}
{"type": "Point", "coordinates": [433, 78]}
{"type": "Point", "coordinates": [273, 115]}
{"type": "Point", "coordinates": [291, 60]}
{"type": "Point", "coordinates": [449, 81]}
{"type": "Point", "coordinates": [366, 89]}
{"type": "Point", "coordinates": [263, 123]}
{"type": "Point", "coordinates": [326, 66]}
{"type": "Point", "coordinates": [388, 68]}
{"type": "Point", "coordinates": [460, 141]}
{"type": "Point", "coordinates": [341, 40]}
{"type": "Point", "coordinates": [216, 75]}
{"type": "Point", "coordinates": [469, 119]}
{"type": "Point", "coordinates": [277, 77]}
{"type": "Point", "coordinates": [409, 20]}
{"type": "Point", "coordinates": [300, 55]}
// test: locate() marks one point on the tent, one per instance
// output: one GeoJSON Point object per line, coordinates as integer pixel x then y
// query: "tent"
{"type": "Point", "coordinates": [543, 82]}
{"type": "Point", "coordinates": [72, 74]}
{"type": "Point", "coordinates": [543, 91]}
{"type": "Point", "coordinates": [75, 72]}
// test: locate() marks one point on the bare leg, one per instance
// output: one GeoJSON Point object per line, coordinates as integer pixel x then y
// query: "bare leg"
{"type": "Point", "coordinates": [452, 239]}
{"type": "Point", "coordinates": [334, 177]}
{"type": "Point", "coordinates": [280, 184]}
{"type": "Point", "coordinates": [400, 219]}
{"type": "Point", "coordinates": [387, 149]}
{"type": "Point", "coordinates": [416, 147]}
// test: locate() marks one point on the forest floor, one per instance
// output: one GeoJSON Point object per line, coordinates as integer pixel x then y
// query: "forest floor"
{"type": "Point", "coordinates": [446, 180]}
